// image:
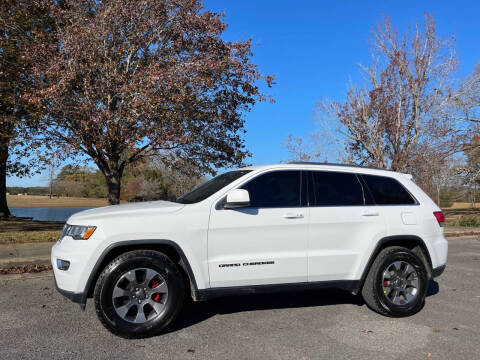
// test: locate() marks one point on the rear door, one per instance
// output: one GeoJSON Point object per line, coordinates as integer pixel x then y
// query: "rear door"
{"type": "Point", "coordinates": [343, 222]}
{"type": "Point", "coordinates": [265, 243]}
{"type": "Point", "coordinates": [395, 203]}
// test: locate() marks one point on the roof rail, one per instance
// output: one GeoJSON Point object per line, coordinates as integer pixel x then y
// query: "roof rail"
{"type": "Point", "coordinates": [336, 164]}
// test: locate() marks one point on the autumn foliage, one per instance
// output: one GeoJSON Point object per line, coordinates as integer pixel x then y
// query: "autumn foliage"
{"type": "Point", "coordinates": [126, 79]}
{"type": "Point", "coordinates": [20, 23]}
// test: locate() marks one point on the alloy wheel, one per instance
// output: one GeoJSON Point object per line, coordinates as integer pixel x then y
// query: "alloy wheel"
{"type": "Point", "coordinates": [139, 295]}
{"type": "Point", "coordinates": [400, 283]}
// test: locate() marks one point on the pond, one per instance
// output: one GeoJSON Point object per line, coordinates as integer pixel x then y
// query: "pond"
{"type": "Point", "coordinates": [46, 214]}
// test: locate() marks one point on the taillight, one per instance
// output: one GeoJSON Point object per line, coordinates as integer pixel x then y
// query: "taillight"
{"type": "Point", "coordinates": [440, 216]}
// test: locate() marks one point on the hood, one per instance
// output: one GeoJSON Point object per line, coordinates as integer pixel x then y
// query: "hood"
{"type": "Point", "coordinates": [151, 207]}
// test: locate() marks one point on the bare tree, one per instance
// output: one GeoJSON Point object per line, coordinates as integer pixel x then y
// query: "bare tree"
{"type": "Point", "coordinates": [434, 172]}
{"type": "Point", "coordinates": [299, 150]}
{"type": "Point", "coordinates": [467, 102]}
{"type": "Point", "coordinates": [404, 106]}
{"type": "Point", "coordinates": [470, 172]}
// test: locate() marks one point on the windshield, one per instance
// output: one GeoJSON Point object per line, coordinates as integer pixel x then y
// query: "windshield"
{"type": "Point", "coordinates": [210, 187]}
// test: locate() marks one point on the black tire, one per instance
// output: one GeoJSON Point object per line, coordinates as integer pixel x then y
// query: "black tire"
{"type": "Point", "coordinates": [155, 260]}
{"type": "Point", "coordinates": [373, 292]}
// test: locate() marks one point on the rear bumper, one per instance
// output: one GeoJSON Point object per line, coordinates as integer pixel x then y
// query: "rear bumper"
{"type": "Point", "coordinates": [438, 271]}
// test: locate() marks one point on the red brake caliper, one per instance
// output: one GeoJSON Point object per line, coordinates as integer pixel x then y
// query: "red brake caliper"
{"type": "Point", "coordinates": [155, 297]}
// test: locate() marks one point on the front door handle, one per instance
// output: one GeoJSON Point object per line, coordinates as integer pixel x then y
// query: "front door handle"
{"type": "Point", "coordinates": [370, 213]}
{"type": "Point", "coordinates": [293, 216]}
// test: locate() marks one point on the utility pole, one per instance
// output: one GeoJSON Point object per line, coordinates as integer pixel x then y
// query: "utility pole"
{"type": "Point", "coordinates": [51, 174]}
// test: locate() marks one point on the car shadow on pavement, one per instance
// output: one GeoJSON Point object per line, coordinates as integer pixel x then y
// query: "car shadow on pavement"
{"type": "Point", "coordinates": [433, 288]}
{"type": "Point", "coordinates": [194, 313]}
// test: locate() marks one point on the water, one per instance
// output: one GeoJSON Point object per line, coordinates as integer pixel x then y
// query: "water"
{"type": "Point", "coordinates": [46, 214]}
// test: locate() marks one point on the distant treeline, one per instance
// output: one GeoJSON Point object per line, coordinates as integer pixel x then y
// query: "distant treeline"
{"type": "Point", "coordinates": [35, 190]}
{"type": "Point", "coordinates": [147, 180]}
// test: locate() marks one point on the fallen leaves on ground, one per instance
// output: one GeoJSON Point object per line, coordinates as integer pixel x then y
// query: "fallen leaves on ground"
{"type": "Point", "coordinates": [436, 330]}
{"type": "Point", "coordinates": [25, 269]}
{"type": "Point", "coordinates": [429, 355]}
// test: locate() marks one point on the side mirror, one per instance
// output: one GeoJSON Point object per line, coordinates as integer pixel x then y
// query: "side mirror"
{"type": "Point", "coordinates": [237, 198]}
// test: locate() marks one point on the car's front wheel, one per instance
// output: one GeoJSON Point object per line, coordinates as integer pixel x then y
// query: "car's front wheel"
{"type": "Point", "coordinates": [139, 294]}
{"type": "Point", "coordinates": [396, 284]}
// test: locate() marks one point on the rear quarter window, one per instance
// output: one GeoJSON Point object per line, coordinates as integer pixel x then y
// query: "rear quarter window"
{"type": "Point", "coordinates": [388, 191]}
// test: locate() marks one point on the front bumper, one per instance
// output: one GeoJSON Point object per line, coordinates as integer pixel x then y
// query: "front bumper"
{"type": "Point", "coordinates": [72, 282]}
{"type": "Point", "coordinates": [78, 298]}
{"type": "Point", "coordinates": [438, 271]}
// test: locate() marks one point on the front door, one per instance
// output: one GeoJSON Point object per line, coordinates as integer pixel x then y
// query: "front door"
{"type": "Point", "coordinates": [266, 242]}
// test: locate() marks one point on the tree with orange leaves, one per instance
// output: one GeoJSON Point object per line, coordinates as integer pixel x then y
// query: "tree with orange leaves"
{"type": "Point", "coordinates": [128, 79]}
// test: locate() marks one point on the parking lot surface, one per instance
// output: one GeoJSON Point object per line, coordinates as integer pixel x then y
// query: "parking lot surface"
{"type": "Point", "coordinates": [38, 323]}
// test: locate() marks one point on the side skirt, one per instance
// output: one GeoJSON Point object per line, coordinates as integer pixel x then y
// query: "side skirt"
{"type": "Point", "coordinates": [352, 286]}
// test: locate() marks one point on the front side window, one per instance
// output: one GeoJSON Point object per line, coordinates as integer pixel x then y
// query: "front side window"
{"type": "Point", "coordinates": [336, 189]}
{"type": "Point", "coordinates": [388, 191]}
{"type": "Point", "coordinates": [210, 187]}
{"type": "Point", "coordinates": [274, 189]}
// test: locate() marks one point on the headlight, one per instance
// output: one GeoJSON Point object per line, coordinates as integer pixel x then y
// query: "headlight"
{"type": "Point", "coordinates": [77, 232]}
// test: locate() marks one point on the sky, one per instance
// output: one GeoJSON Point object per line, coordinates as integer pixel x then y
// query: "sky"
{"type": "Point", "coordinates": [313, 49]}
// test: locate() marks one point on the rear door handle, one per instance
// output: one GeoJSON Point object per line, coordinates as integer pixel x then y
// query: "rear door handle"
{"type": "Point", "coordinates": [369, 213]}
{"type": "Point", "coordinates": [292, 216]}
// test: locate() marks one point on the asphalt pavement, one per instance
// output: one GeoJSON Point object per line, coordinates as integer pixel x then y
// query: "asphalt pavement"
{"type": "Point", "coordinates": [38, 323]}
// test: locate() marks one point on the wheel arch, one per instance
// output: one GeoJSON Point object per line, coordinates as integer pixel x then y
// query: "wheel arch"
{"type": "Point", "coordinates": [411, 242]}
{"type": "Point", "coordinates": [168, 247]}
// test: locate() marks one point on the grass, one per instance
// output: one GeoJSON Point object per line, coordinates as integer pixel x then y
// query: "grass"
{"type": "Point", "coordinates": [16, 231]}
{"type": "Point", "coordinates": [466, 217]}
{"type": "Point", "coordinates": [462, 205]}
{"type": "Point", "coordinates": [14, 201]}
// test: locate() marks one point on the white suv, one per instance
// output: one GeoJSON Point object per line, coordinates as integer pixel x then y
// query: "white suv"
{"type": "Point", "coordinates": [267, 228]}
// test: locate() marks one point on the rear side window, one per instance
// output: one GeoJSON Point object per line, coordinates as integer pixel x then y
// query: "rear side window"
{"type": "Point", "coordinates": [388, 191]}
{"type": "Point", "coordinates": [275, 189]}
{"type": "Point", "coordinates": [336, 189]}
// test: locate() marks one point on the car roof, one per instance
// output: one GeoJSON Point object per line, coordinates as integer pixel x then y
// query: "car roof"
{"type": "Point", "coordinates": [326, 166]}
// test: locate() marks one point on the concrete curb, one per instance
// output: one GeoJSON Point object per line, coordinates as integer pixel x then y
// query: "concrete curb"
{"type": "Point", "coordinates": [462, 234]}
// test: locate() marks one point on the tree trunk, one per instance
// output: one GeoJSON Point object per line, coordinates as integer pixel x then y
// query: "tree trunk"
{"type": "Point", "coordinates": [113, 178]}
{"type": "Point", "coordinates": [4, 211]}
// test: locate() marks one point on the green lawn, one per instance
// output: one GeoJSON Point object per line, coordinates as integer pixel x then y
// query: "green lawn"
{"type": "Point", "coordinates": [26, 231]}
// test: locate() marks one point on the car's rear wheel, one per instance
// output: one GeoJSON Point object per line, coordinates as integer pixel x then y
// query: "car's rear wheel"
{"type": "Point", "coordinates": [396, 283]}
{"type": "Point", "coordinates": [139, 294]}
